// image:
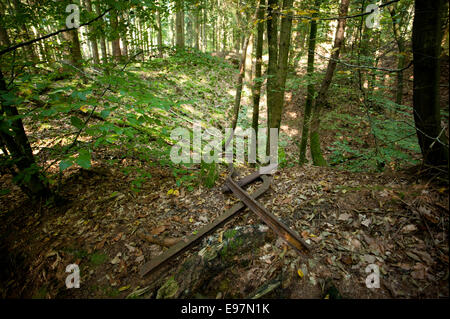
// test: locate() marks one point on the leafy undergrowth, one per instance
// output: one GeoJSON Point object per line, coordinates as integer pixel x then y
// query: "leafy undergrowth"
{"type": "Point", "coordinates": [128, 203]}
{"type": "Point", "coordinates": [130, 111]}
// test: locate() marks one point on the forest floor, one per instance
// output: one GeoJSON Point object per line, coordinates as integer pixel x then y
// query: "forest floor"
{"type": "Point", "coordinates": [394, 219]}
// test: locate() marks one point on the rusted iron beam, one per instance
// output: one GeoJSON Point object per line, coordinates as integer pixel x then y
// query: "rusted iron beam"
{"type": "Point", "coordinates": [244, 181]}
{"type": "Point", "coordinates": [190, 241]}
{"type": "Point", "coordinates": [278, 227]}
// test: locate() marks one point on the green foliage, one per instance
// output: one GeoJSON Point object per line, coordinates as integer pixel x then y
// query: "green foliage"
{"type": "Point", "coordinates": [208, 173]}
{"type": "Point", "coordinates": [97, 259]}
{"type": "Point", "coordinates": [131, 112]}
{"type": "Point", "coordinates": [387, 141]}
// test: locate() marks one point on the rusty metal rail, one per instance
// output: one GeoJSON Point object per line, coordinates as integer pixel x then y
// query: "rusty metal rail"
{"type": "Point", "coordinates": [278, 227]}
{"type": "Point", "coordinates": [190, 241]}
{"type": "Point", "coordinates": [244, 181]}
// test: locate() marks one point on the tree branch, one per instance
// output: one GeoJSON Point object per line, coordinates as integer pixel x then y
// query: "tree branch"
{"type": "Point", "coordinates": [19, 45]}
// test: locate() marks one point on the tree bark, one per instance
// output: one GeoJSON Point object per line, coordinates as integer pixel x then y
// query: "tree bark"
{"type": "Point", "coordinates": [18, 146]}
{"type": "Point", "coordinates": [426, 42]}
{"type": "Point", "coordinates": [160, 35]}
{"type": "Point", "coordinates": [257, 82]}
{"type": "Point", "coordinates": [179, 24]}
{"type": "Point", "coordinates": [93, 41]}
{"type": "Point", "coordinates": [115, 42]}
{"type": "Point", "coordinates": [124, 36]}
{"type": "Point", "coordinates": [102, 39]}
{"type": "Point", "coordinates": [401, 55]}
{"type": "Point", "coordinates": [205, 34]}
{"type": "Point", "coordinates": [237, 99]}
{"type": "Point", "coordinates": [277, 68]}
{"type": "Point", "coordinates": [314, 138]}
{"type": "Point", "coordinates": [74, 51]}
{"type": "Point", "coordinates": [310, 87]}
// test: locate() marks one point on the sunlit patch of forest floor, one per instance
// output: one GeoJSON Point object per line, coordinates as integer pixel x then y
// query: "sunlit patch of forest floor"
{"type": "Point", "coordinates": [394, 219]}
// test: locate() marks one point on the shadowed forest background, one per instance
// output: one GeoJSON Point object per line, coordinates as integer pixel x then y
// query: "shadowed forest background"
{"type": "Point", "coordinates": [358, 92]}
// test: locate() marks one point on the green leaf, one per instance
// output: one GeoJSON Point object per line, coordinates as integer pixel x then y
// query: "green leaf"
{"type": "Point", "coordinates": [64, 164]}
{"type": "Point", "coordinates": [104, 114]}
{"type": "Point", "coordinates": [84, 159]}
{"type": "Point", "coordinates": [75, 121]}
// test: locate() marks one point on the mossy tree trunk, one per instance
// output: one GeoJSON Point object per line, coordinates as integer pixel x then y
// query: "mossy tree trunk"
{"type": "Point", "coordinates": [115, 41]}
{"type": "Point", "coordinates": [92, 38]}
{"type": "Point", "coordinates": [316, 152]}
{"type": "Point", "coordinates": [20, 155]}
{"type": "Point", "coordinates": [278, 58]}
{"type": "Point", "coordinates": [310, 88]}
{"type": "Point", "coordinates": [257, 82]}
{"type": "Point", "coordinates": [179, 22]}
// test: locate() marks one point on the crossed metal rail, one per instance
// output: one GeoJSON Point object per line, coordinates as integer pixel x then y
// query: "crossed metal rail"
{"type": "Point", "coordinates": [248, 200]}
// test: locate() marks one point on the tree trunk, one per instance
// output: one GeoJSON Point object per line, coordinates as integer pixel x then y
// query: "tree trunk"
{"type": "Point", "coordinates": [314, 138]}
{"type": "Point", "coordinates": [179, 24]}
{"type": "Point", "coordinates": [74, 51]}
{"type": "Point", "coordinates": [257, 82]}
{"type": "Point", "coordinates": [19, 149]}
{"type": "Point", "coordinates": [160, 35]}
{"type": "Point", "coordinates": [124, 37]}
{"type": "Point", "coordinates": [205, 35]}
{"type": "Point", "coordinates": [4, 38]}
{"type": "Point", "coordinates": [277, 69]}
{"type": "Point", "coordinates": [116, 39]}
{"type": "Point", "coordinates": [31, 50]}
{"type": "Point", "coordinates": [272, 87]}
{"type": "Point", "coordinates": [426, 42]}
{"type": "Point", "coordinates": [172, 28]}
{"type": "Point", "coordinates": [310, 88]}
{"type": "Point", "coordinates": [92, 40]}
{"type": "Point", "coordinates": [401, 56]}
{"type": "Point", "coordinates": [224, 40]}
{"type": "Point", "coordinates": [237, 100]}
{"type": "Point", "coordinates": [102, 39]}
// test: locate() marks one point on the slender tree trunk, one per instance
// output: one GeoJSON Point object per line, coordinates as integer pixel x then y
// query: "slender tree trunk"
{"type": "Point", "coordinates": [237, 100]}
{"type": "Point", "coordinates": [160, 35]}
{"type": "Point", "coordinates": [19, 149]}
{"type": "Point", "coordinates": [272, 85]}
{"type": "Point", "coordinates": [102, 39]}
{"type": "Point", "coordinates": [124, 36]}
{"type": "Point", "coordinates": [401, 57]}
{"type": "Point", "coordinates": [224, 40]}
{"type": "Point", "coordinates": [426, 41]}
{"type": "Point", "coordinates": [172, 27]}
{"type": "Point", "coordinates": [29, 50]}
{"type": "Point", "coordinates": [205, 34]}
{"type": "Point", "coordinates": [310, 88]}
{"type": "Point", "coordinates": [257, 82]}
{"type": "Point", "coordinates": [277, 69]}
{"type": "Point", "coordinates": [74, 51]}
{"type": "Point", "coordinates": [316, 152]}
{"type": "Point", "coordinates": [116, 39]}
{"type": "Point", "coordinates": [92, 40]}
{"type": "Point", "coordinates": [248, 66]}
{"type": "Point", "coordinates": [183, 25]}
{"type": "Point", "coordinates": [179, 24]}
{"type": "Point", "coordinates": [4, 38]}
